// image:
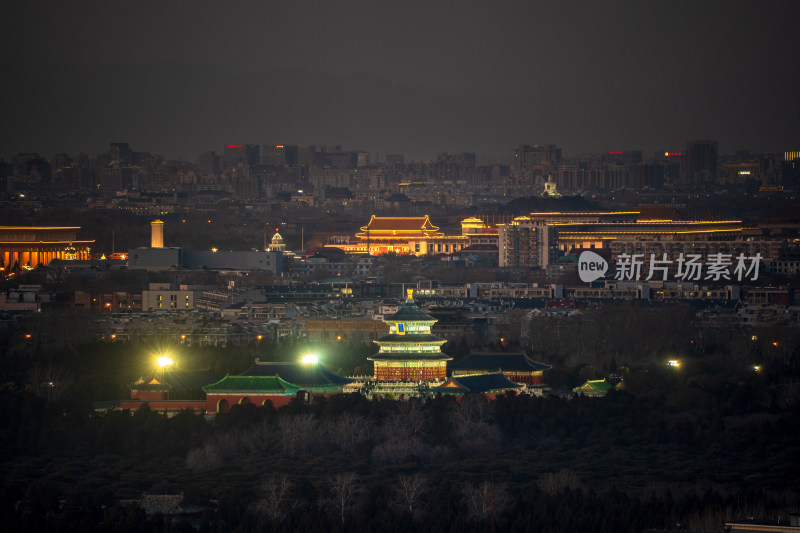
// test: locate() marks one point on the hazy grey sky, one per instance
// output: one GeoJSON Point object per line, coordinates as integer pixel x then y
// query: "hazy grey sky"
{"type": "Point", "coordinates": [413, 77]}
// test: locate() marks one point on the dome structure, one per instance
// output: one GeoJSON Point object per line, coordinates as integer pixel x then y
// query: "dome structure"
{"type": "Point", "coordinates": [277, 244]}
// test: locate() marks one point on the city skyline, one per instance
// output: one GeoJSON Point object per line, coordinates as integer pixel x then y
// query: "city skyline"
{"type": "Point", "coordinates": [405, 79]}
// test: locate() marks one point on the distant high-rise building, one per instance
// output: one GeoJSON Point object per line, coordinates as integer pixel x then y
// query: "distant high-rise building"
{"type": "Point", "coordinates": [790, 170]}
{"type": "Point", "coordinates": [395, 159]}
{"type": "Point", "coordinates": [85, 172]}
{"type": "Point", "coordinates": [359, 159]}
{"type": "Point", "coordinates": [31, 168]}
{"type": "Point", "coordinates": [300, 155]}
{"type": "Point", "coordinates": [120, 152]}
{"type": "Point", "coordinates": [622, 157]}
{"type": "Point", "coordinates": [700, 163]}
{"type": "Point", "coordinates": [208, 163]}
{"type": "Point", "coordinates": [464, 159]}
{"type": "Point", "coordinates": [60, 161]}
{"type": "Point", "coordinates": [336, 159]}
{"type": "Point", "coordinates": [526, 243]}
{"type": "Point", "coordinates": [526, 157]}
{"type": "Point", "coordinates": [240, 154]}
{"type": "Point", "coordinates": [651, 175]}
{"type": "Point", "coordinates": [5, 171]}
{"type": "Point", "coordinates": [273, 155]}
{"type": "Point", "coordinates": [672, 162]}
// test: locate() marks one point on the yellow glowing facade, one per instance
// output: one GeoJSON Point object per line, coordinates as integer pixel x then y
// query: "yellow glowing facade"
{"type": "Point", "coordinates": [535, 240]}
{"type": "Point", "coordinates": [156, 234]}
{"type": "Point", "coordinates": [410, 352]}
{"type": "Point", "coordinates": [29, 247]}
{"type": "Point", "coordinates": [472, 225]}
{"type": "Point", "coordinates": [403, 235]}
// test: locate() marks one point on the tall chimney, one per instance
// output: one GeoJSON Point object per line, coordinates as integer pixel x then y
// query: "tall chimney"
{"type": "Point", "coordinates": [157, 234]}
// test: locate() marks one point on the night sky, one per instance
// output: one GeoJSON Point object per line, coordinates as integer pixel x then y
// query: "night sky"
{"type": "Point", "coordinates": [419, 78]}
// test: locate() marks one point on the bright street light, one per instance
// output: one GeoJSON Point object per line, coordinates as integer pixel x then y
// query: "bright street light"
{"type": "Point", "coordinates": [164, 361]}
{"type": "Point", "coordinates": [673, 362]}
{"type": "Point", "coordinates": [310, 359]}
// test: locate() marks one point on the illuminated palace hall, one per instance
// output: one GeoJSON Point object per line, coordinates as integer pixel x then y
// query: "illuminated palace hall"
{"type": "Point", "coordinates": [410, 352]}
{"type": "Point", "coordinates": [403, 235]}
{"type": "Point", "coordinates": [22, 247]}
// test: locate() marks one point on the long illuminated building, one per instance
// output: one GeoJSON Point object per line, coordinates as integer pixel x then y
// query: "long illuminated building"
{"type": "Point", "coordinates": [22, 247]}
{"type": "Point", "coordinates": [538, 239]}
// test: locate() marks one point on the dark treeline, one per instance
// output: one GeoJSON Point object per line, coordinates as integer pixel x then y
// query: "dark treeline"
{"type": "Point", "coordinates": [620, 463]}
{"type": "Point", "coordinates": [676, 448]}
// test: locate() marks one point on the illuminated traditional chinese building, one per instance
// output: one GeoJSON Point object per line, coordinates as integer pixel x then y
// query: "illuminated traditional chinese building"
{"type": "Point", "coordinates": [515, 366]}
{"type": "Point", "coordinates": [22, 247]}
{"type": "Point", "coordinates": [404, 235]}
{"type": "Point", "coordinates": [490, 385]}
{"type": "Point", "coordinates": [169, 391]}
{"type": "Point", "coordinates": [263, 382]}
{"type": "Point", "coordinates": [594, 388]}
{"type": "Point", "coordinates": [410, 352]}
{"type": "Point", "coordinates": [275, 382]}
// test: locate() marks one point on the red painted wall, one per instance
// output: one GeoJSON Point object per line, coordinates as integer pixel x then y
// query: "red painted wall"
{"type": "Point", "coordinates": [197, 405]}
{"type": "Point", "coordinates": [212, 400]}
{"type": "Point", "coordinates": [148, 396]}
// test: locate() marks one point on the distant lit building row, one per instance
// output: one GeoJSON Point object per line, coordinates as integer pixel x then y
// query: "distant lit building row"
{"type": "Point", "coordinates": [158, 257]}
{"type": "Point", "coordinates": [540, 239]}
{"type": "Point", "coordinates": [22, 247]}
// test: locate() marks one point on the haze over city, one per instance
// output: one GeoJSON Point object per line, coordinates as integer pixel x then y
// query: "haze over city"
{"type": "Point", "coordinates": [416, 77]}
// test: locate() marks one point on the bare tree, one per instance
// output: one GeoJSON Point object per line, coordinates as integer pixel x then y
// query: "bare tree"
{"type": "Point", "coordinates": [263, 438]}
{"type": "Point", "coordinates": [277, 500]}
{"type": "Point", "coordinates": [296, 433]}
{"type": "Point", "coordinates": [205, 458]}
{"type": "Point", "coordinates": [344, 490]}
{"type": "Point", "coordinates": [470, 418]}
{"type": "Point", "coordinates": [407, 421]}
{"type": "Point", "coordinates": [555, 482]}
{"type": "Point", "coordinates": [469, 410]}
{"type": "Point", "coordinates": [348, 431]}
{"type": "Point", "coordinates": [49, 381]}
{"type": "Point", "coordinates": [486, 500]}
{"type": "Point", "coordinates": [788, 394]}
{"type": "Point", "coordinates": [409, 489]}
